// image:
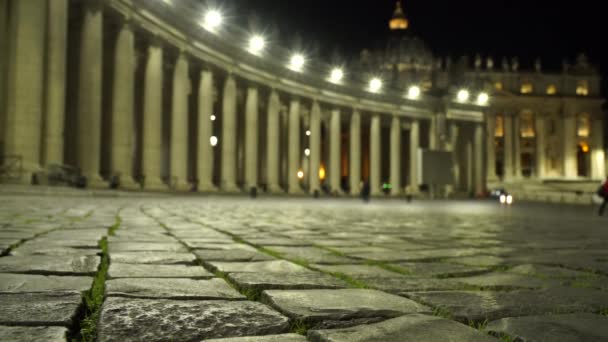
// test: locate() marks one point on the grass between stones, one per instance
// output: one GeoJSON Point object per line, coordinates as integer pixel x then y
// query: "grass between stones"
{"type": "Point", "coordinates": [298, 326]}
{"type": "Point", "coordinates": [94, 298]}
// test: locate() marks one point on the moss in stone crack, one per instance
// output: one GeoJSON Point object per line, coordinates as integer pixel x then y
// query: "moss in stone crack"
{"type": "Point", "coordinates": [481, 326]}
{"type": "Point", "coordinates": [300, 327]}
{"type": "Point", "coordinates": [604, 312]}
{"type": "Point", "coordinates": [270, 252]}
{"type": "Point", "coordinates": [114, 227]}
{"type": "Point", "coordinates": [93, 298]}
{"type": "Point", "coordinates": [389, 267]}
{"type": "Point", "coordinates": [442, 312]}
{"type": "Point", "coordinates": [350, 280]}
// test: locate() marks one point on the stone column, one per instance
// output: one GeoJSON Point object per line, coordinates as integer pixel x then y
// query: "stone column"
{"type": "Point", "coordinates": [272, 143]}
{"type": "Point", "coordinates": [490, 147]}
{"type": "Point", "coordinates": [205, 129]}
{"type": "Point", "coordinates": [355, 153]}
{"type": "Point", "coordinates": [540, 147]}
{"type": "Point", "coordinates": [4, 55]}
{"type": "Point", "coordinates": [455, 157]}
{"type": "Point", "coordinates": [598, 162]}
{"type": "Point", "coordinates": [517, 146]}
{"type": "Point", "coordinates": [294, 148]}
{"type": "Point", "coordinates": [334, 155]}
{"type": "Point", "coordinates": [152, 119]}
{"type": "Point", "coordinates": [433, 140]}
{"type": "Point", "coordinates": [570, 160]}
{"type": "Point", "coordinates": [508, 147]}
{"type": "Point", "coordinates": [315, 146]}
{"type": "Point", "coordinates": [251, 139]}
{"type": "Point", "coordinates": [123, 104]}
{"type": "Point", "coordinates": [396, 156]}
{"type": "Point", "coordinates": [56, 46]}
{"type": "Point", "coordinates": [480, 183]}
{"type": "Point", "coordinates": [90, 88]}
{"type": "Point", "coordinates": [469, 161]}
{"type": "Point", "coordinates": [375, 151]}
{"type": "Point", "coordinates": [228, 138]}
{"type": "Point", "coordinates": [179, 126]}
{"type": "Point", "coordinates": [25, 84]}
{"type": "Point", "coordinates": [414, 145]}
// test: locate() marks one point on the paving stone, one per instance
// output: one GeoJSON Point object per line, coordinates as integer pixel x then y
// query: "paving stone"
{"type": "Point", "coordinates": [549, 271]}
{"type": "Point", "coordinates": [279, 242]}
{"type": "Point", "coordinates": [33, 334]}
{"type": "Point", "coordinates": [232, 255]}
{"type": "Point", "coordinates": [38, 283]}
{"type": "Point", "coordinates": [481, 305]}
{"type": "Point", "coordinates": [40, 249]}
{"type": "Point", "coordinates": [145, 247]}
{"type": "Point", "coordinates": [64, 265]}
{"type": "Point", "coordinates": [340, 308]}
{"type": "Point", "coordinates": [567, 328]}
{"type": "Point", "coordinates": [45, 242]}
{"type": "Point", "coordinates": [400, 285]}
{"type": "Point", "coordinates": [161, 258]}
{"type": "Point", "coordinates": [118, 270]}
{"type": "Point", "coordinates": [267, 338]}
{"type": "Point", "coordinates": [504, 280]}
{"type": "Point", "coordinates": [275, 266]}
{"type": "Point", "coordinates": [442, 270]}
{"type": "Point", "coordinates": [412, 327]}
{"type": "Point", "coordinates": [219, 245]}
{"type": "Point", "coordinates": [54, 308]}
{"type": "Point", "coordinates": [304, 280]}
{"type": "Point", "coordinates": [126, 319]}
{"type": "Point", "coordinates": [312, 255]}
{"type": "Point", "coordinates": [358, 271]}
{"type": "Point", "coordinates": [171, 288]}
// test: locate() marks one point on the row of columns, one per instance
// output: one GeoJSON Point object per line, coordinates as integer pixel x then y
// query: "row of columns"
{"type": "Point", "coordinates": [512, 148]}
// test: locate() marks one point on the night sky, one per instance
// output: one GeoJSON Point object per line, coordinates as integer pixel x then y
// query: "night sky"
{"type": "Point", "coordinates": [527, 29]}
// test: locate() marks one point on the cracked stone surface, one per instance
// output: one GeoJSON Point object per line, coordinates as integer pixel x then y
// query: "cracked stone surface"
{"type": "Point", "coordinates": [412, 327]}
{"type": "Point", "coordinates": [171, 288]}
{"type": "Point", "coordinates": [66, 265]}
{"type": "Point", "coordinates": [126, 319]}
{"type": "Point", "coordinates": [58, 308]}
{"type": "Point", "coordinates": [571, 327]}
{"type": "Point", "coordinates": [33, 334]}
{"type": "Point", "coordinates": [530, 270]}
{"type": "Point", "coordinates": [335, 308]}
{"type": "Point", "coordinates": [16, 283]}
{"type": "Point", "coordinates": [118, 270]}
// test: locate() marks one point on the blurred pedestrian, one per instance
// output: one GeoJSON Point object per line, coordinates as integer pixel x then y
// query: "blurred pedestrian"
{"type": "Point", "coordinates": [365, 191]}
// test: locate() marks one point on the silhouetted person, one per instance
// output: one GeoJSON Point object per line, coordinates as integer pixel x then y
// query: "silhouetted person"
{"type": "Point", "coordinates": [253, 192]}
{"type": "Point", "coordinates": [603, 193]}
{"type": "Point", "coordinates": [365, 191]}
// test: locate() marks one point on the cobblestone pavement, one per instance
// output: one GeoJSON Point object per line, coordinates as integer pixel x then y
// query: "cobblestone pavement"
{"type": "Point", "coordinates": [235, 269]}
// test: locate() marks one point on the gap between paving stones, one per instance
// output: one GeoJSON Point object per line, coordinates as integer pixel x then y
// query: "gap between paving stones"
{"type": "Point", "coordinates": [85, 329]}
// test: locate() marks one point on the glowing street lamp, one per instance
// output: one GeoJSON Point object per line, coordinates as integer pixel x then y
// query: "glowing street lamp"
{"type": "Point", "coordinates": [308, 133]}
{"type": "Point", "coordinates": [483, 98]}
{"type": "Point", "coordinates": [307, 152]}
{"type": "Point", "coordinates": [256, 44]}
{"type": "Point", "coordinates": [296, 63]}
{"type": "Point", "coordinates": [212, 20]}
{"type": "Point", "coordinates": [213, 117]}
{"type": "Point", "coordinates": [413, 92]}
{"type": "Point", "coordinates": [300, 174]}
{"type": "Point", "coordinates": [375, 85]}
{"type": "Point", "coordinates": [336, 75]}
{"type": "Point", "coordinates": [213, 140]}
{"type": "Point", "coordinates": [463, 95]}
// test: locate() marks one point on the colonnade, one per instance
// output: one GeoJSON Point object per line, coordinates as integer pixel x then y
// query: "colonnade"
{"type": "Point", "coordinates": [34, 125]}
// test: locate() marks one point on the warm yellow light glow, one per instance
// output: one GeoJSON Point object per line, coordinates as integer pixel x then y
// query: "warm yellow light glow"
{"type": "Point", "coordinates": [582, 88]}
{"type": "Point", "coordinates": [483, 99]}
{"type": "Point", "coordinates": [297, 62]}
{"type": "Point", "coordinates": [526, 88]}
{"type": "Point", "coordinates": [551, 89]}
{"type": "Point", "coordinates": [375, 85]}
{"type": "Point", "coordinates": [463, 95]}
{"type": "Point", "coordinates": [498, 86]}
{"type": "Point", "coordinates": [336, 75]}
{"type": "Point", "coordinates": [212, 20]}
{"type": "Point", "coordinates": [256, 44]}
{"type": "Point", "coordinates": [322, 172]}
{"type": "Point", "coordinates": [584, 147]}
{"type": "Point", "coordinates": [399, 24]}
{"type": "Point", "coordinates": [300, 174]}
{"type": "Point", "coordinates": [413, 92]}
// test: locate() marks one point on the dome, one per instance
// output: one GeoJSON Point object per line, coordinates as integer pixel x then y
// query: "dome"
{"type": "Point", "coordinates": [408, 52]}
{"type": "Point", "coordinates": [399, 21]}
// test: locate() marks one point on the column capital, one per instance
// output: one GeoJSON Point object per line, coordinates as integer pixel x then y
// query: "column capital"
{"type": "Point", "coordinates": [93, 5]}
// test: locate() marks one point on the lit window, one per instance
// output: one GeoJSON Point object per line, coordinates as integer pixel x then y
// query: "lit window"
{"type": "Point", "coordinates": [582, 88]}
{"type": "Point", "coordinates": [551, 89]}
{"type": "Point", "coordinates": [499, 130]}
{"type": "Point", "coordinates": [526, 125]}
{"type": "Point", "coordinates": [582, 125]}
{"type": "Point", "coordinates": [498, 85]}
{"type": "Point", "coordinates": [584, 147]}
{"type": "Point", "coordinates": [526, 88]}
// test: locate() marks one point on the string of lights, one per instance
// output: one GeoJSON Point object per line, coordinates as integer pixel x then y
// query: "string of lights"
{"type": "Point", "coordinates": [215, 21]}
